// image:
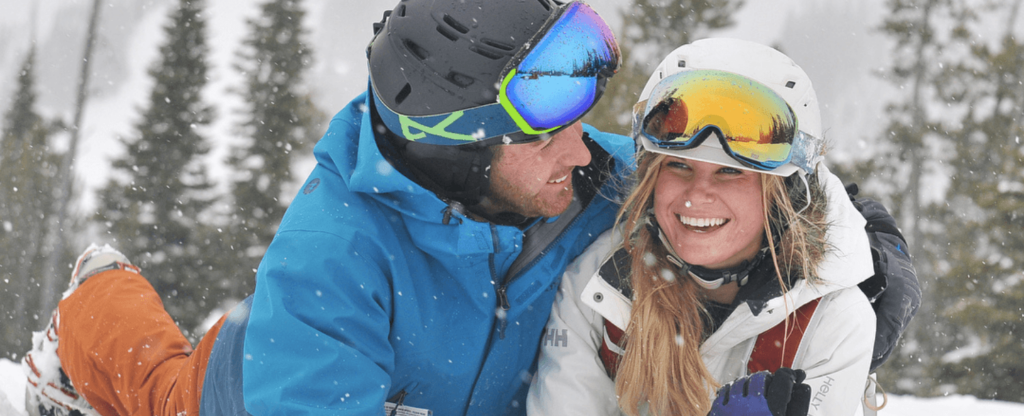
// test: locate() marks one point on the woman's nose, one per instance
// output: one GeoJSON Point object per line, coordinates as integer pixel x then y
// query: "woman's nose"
{"type": "Point", "coordinates": [701, 191]}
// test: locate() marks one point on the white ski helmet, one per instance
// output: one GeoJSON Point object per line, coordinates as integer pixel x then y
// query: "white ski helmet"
{"type": "Point", "coordinates": [757, 62]}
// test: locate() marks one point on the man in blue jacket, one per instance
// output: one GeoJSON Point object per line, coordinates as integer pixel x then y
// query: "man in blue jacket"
{"type": "Point", "coordinates": [416, 267]}
{"type": "Point", "coordinates": [445, 233]}
{"type": "Point", "coordinates": [419, 262]}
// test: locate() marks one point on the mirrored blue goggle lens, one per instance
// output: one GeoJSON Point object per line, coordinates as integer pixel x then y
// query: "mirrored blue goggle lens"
{"type": "Point", "coordinates": [557, 81]}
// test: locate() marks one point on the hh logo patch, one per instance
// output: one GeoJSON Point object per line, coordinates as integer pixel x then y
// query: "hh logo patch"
{"type": "Point", "coordinates": [311, 186]}
{"type": "Point", "coordinates": [556, 338]}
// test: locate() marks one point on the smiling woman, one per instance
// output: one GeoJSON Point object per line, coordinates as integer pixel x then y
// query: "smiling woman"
{"type": "Point", "coordinates": [736, 260]}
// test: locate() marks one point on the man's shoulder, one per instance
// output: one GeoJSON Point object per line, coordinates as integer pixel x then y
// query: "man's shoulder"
{"type": "Point", "coordinates": [326, 204]}
{"type": "Point", "coordinates": [616, 156]}
{"type": "Point", "coordinates": [619, 146]}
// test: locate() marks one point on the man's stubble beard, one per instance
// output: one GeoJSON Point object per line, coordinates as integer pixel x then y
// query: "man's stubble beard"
{"type": "Point", "coordinates": [504, 198]}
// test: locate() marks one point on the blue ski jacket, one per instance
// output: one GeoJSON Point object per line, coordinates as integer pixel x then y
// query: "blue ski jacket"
{"type": "Point", "coordinates": [366, 295]}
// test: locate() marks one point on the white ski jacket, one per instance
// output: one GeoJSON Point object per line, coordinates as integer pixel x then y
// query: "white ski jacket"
{"type": "Point", "coordinates": [835, 349]}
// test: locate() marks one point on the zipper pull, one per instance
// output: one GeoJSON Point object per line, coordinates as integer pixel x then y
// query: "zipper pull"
{"type": "Point", "coordinates": [447, 215]}
{"type": "Point", "coordinates": [453, 207]}
{"type": "Point", "coordinates": [503, 304]}
{"type": "Point", "coordinates": [503, 298]}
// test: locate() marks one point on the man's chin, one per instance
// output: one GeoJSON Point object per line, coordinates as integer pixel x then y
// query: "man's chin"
{"type": "Point", "coordinates": [555, 206]}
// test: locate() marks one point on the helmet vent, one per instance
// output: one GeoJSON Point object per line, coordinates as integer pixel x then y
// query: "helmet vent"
{"type": "Point", "coordinates": [790, 84]}
{"type": "Point", "coordinates": [546, 5]}
{"type": "Point", "coordinates": [452, 36]}
{"type": "Point", "coordinates": [461, 28]}
{"type": "Point", "coordinates": [487, 53]}
{"type": "Point", "coordinates": [497, 44]}
{"type": "Point", "coordinates": [417, 50]}
{"type": "Point", "coordinates": [681, 63]}
{"type": "Point", "coordinates": [403, 94]}
{"type": "Point", "coordinates": [400, 10]}
{"type": "Point", "coordinates": [462, 80]}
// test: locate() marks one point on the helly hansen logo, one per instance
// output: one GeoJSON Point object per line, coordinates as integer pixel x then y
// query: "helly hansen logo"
{"type": "Point", "coordinates": [556, 338]}
{"type": "Point", "coordinates": [819, 396]}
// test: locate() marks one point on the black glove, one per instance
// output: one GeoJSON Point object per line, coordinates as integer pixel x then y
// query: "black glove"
{"type": "Point", "coordinates": [762, 393]}
{"type": "Point", "coordinates": [894, 291]}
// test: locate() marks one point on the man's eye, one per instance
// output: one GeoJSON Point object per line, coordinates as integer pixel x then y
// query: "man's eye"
{"type": "Point", "coordinates": [543, 142]}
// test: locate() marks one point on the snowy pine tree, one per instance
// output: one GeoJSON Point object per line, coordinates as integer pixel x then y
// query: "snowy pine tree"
{"type": "Point", "coordinates": [27, 170]}
{"type": "Point", "coordinates": [154, 203]}
{"type": "Point", "coordinates": [981, 275]}
{"type": "Point", "coordinates": [896, 170]}
{"type": "Point", "coordinates": [959, 118]}
{"type": "Point", "coordinates": [281, 122]}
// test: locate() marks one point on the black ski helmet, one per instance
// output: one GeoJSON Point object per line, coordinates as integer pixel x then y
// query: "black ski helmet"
{"type": "Point", "coordinates": [439, 56]}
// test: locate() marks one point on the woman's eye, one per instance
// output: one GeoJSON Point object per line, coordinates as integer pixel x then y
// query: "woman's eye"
{"type": "Point", "coordinates": [678, 165]}
{"type": "Point", "coordinates": [730, 171]}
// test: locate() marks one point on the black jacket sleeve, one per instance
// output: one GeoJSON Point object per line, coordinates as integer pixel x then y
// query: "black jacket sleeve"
{"type": "Point", "coordinates": [894, 291]}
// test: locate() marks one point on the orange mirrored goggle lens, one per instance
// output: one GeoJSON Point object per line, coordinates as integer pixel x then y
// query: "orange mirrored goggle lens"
{"type": "Point", "coordinates": [757, 126]}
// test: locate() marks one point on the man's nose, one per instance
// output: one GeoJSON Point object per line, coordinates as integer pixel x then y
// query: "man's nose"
{"type": "Point", "coordinates": [570, 148]}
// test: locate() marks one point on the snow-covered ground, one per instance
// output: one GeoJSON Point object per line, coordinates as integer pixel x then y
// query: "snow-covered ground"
{"type": "Point", "coordinates": [12, 400]}
{"type": "Point", "coordinates": [12, 388]}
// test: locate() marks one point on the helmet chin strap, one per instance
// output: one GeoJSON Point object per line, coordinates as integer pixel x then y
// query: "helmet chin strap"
{"type": "Point", "coordinates": [706, 278]}
{"type": "Point", "coordinates": [807, 191]}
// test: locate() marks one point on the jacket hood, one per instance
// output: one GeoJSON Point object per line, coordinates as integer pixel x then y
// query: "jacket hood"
{"type": "Point", "coordinates": [848, 260]}
{"type": "Point", "coordinates": [364, 169]}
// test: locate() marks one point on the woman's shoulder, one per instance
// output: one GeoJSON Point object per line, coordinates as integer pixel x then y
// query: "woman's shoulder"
{"type": "Point", "coordinates": [850, 304]}
{"type": "Point", "coordinates": [843, 321]}
{"type": "Point", "coordinates": [584, 266]}
{"type": "Point", "coordinates": [598, 280]}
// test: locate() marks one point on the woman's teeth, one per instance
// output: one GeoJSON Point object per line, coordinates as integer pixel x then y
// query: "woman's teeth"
{"type": "Point", "coordinates": [702, 222]}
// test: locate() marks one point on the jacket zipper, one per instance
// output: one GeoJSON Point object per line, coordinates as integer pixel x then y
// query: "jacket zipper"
{"type": "Point", "coordinates": [502, 288]}
{"type": "Point", "coordinates": [399, 400]}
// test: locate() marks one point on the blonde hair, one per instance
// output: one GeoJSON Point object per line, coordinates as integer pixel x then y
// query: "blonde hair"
{"type": "Point", "coordinates": [662, 369]}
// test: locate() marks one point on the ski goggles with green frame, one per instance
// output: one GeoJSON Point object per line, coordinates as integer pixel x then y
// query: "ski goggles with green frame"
{"type": "Point", "coordinates": [755, 126]}
{"type": "Point", "coordinates": [549, 84]}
